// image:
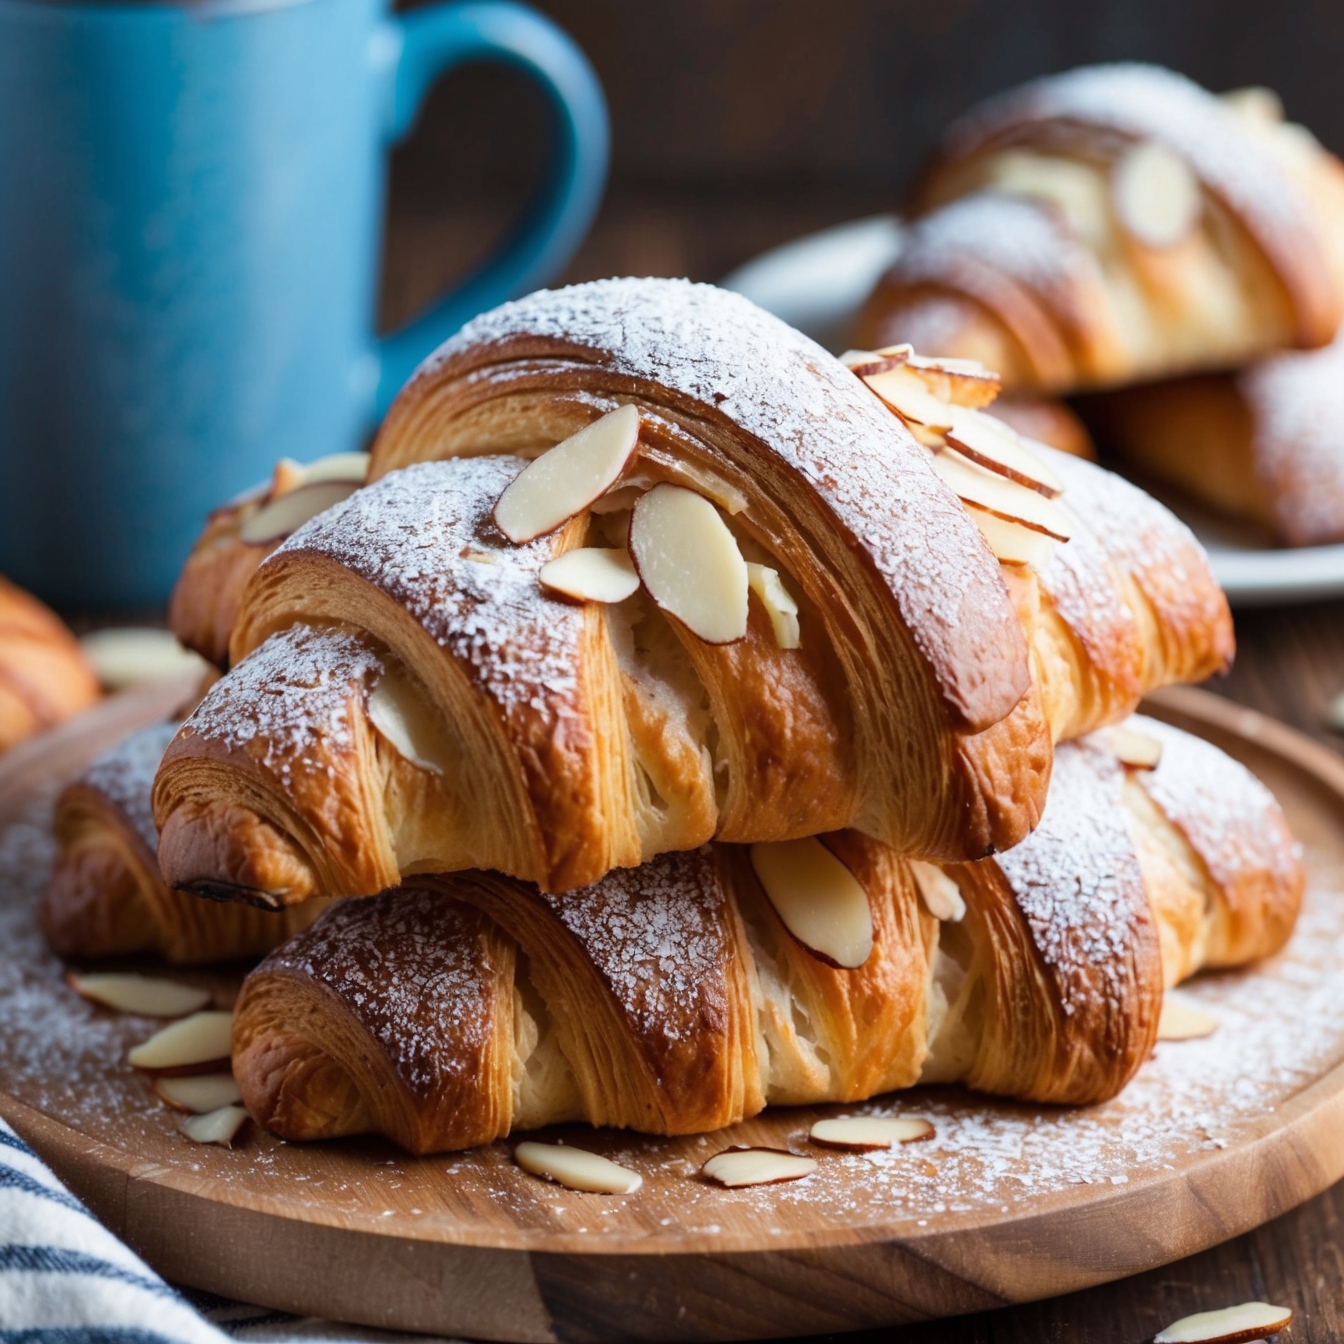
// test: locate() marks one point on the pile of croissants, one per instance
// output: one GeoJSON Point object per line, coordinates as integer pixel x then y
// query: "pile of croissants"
{"type": "Point", "coordinates": [668, 719]}
{"type": "Point", "coordinates": [1178, 257]}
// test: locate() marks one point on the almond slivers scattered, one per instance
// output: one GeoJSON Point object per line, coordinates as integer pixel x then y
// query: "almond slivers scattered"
{"type": "Point", "coordinates": [778, 603]}
{"type": "Point", "coordinates": [576, 1169]}
{"type": "Point", "coordinates": [737, 1167]}
{"type": "Point", "coordinates": [282, 516]}
{"type": "Point", "coordinates": [399, 708]}
{"type": "Point", "coordinates": [141, 994]}
{"type": "Point", "coordinates": [869, 1133]}
{"type": "Point", "coordinates": [201, 1038]}
{"type": "Point", "coordinates": [566, 479]}
{"type": "Point", "coordinates": [1001, 496]}
{"type": "Point", "coordinates": [1136, 749]}
{"type": "Point", "coordinates": [941, 895]}
{"type": "Point", "coordinates": [1231, 1325]}
{"type": "Point", "coordinates": [132, 655]}
{"type": "Point", "coordinates": [591, 574]}
{"type": "Point", "coordinates": [220, 1126]}
{"type": "Point", "coordinates": [821, 903]}
{"type": "Point", "coordinates": [199, 1094]}
{"type": "Point", "coordinates": [1182, 1021]}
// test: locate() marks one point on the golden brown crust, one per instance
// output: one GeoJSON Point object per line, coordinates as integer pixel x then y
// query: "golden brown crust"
{"type": "Point", "coordinates": [44, 676]}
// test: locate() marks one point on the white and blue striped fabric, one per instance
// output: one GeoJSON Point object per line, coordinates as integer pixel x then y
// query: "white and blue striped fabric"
{"type": "Point", "coordinates": [65, 1279]}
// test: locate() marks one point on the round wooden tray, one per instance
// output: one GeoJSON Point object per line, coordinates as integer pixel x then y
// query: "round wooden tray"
{"type": "Point", "coordinates": [1007, 1203]}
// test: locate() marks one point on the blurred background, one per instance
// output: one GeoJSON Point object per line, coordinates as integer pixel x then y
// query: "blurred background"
{"type": "Point", "coordinates": [739, 124]}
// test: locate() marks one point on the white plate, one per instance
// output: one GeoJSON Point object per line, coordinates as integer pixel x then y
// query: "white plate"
{"type": "Point", "coordinates": [817, 283]}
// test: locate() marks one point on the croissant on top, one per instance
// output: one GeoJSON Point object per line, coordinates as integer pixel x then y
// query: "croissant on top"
{"type": "Point", "coordinates": [679, 997]}
{"type": "Point", "coordinates": [413, 691]}
{"type": "Point", "coordinates": [1118, 224]}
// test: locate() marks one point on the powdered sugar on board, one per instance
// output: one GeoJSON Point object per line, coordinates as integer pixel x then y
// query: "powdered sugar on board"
{"type": "Point", "coordinates": [1281, 1027]}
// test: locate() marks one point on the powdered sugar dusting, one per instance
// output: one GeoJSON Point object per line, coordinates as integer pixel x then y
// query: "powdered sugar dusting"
{"type": "Point", "coordinates": [1296, 402]}
{"type": "Point", "coordinates": [126, 773]}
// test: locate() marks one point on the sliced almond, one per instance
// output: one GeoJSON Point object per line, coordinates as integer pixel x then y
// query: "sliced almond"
{"type": "Point", "coordinates": [690, 563]}
{"type": "Point", "coordinates": [963, 382]}
{"type": "Point", "coordinates": [864, 363]}
{"type": "Point", "coordinates": [998, 495]}
{"type": "Point", "coordinates": [205, 1092]}
{"type": "Point", "coordinates": [1182, 1021]}
{"type": "Point", "coordinates": [1231, 1325]}
{"type": "Point", "coordinates": [143, 994]}
{"type": "Point", "coordinates": [1012, 543]}
{"type": "Point", "coordinates": [1156, 195]}
{"type": "Point", "coordinates": [336, 467]}
{"type": "Point", "coordinates": [132, 655]}
{"type": "Point", "coordinates": [202, 1038]}
{"type": "Point", "coordinates": [399, 709]}
{"type": "Point", "coordinates": [1136, 749]}
{"type": "Point", "coordinates": [941, 896]}
{"type": "Point", "coordinates": [869, 1133]}
{"type": "Point", "coordinates": [219, 1126]}
{"type": "Point", "coordinates": [820, 902]}
{"type": "Point", "coordinates": [908, 395]}
{"type": "Point", "coordinates": [778, 603]}
{"type": "Point", "coordinates": [566, 479]}
{"type": "Point", "coordinates": [576, 1168]}
{"type": "Point", "coordinates": [617, 501]}
{"type": "Point", "coordinates": [736, 1167]}
{"type": "Point", "coordinates": [591, 574]}
{"type": "Point", "coordinates": [283, 516]}
{"type": "Point", "coordinates": [997, 447]}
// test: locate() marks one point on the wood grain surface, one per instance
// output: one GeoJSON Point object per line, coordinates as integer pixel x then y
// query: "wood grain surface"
{"type": "Point", "coordinates": [469, 1244]}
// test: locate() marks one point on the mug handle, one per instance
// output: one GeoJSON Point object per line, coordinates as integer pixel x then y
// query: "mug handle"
{"type": "Point", "coordinates": [429, 42]}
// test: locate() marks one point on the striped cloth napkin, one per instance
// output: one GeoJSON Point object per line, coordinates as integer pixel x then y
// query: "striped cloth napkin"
{"type": "Point", "coordinates": [65, 1279]}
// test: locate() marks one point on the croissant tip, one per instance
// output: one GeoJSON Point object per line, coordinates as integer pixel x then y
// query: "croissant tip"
{"type": "Point", "coordinates": [213, 890]}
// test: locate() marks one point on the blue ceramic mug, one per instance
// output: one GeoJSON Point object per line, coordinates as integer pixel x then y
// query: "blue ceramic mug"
{"type": "Point", "coordinates": [190, 206]}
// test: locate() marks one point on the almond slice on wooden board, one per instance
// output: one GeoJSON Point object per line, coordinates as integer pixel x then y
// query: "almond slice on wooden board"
{"type": "Point", "coordinates": [282, 516]}
{"type": "Point", "coordinates": [1136, 749]}
{"type": "Point", "coordinates": [869, 1133]}
{"type": "Point", "coordinates": [125, 656]}
{"type": "Point", "coordinates": [220, 1126]}
{"type": "Point", "coordinates": [399, 709]}
{"type": "Point", "coordinates": [738, 1167]}
{"type": "Point", "coordinates": [566, 479]}
{"type": "Point", "coordinates": [940, 894]}
{"type": "Point", "coordinates": [1012, 543]}
{"type": "Point", "coordinates": [1002, 497]}
{"type": "Point", "coordinates": [591, 574]}
{"type": "Point", "coordinates": [1182, 1021]}
{"type": "Point", "coordinates": [997, 447]}
{"type": "Point", "coordinates": [689, 561]}
{"type": "Point", "coordinates": [576, 1168]}
{"type": "Point", "coordinates": [1231, 1325]}
{"type": "Point", "coordinates": [1157, 197]}
{"type": "Point", "coordinates": [778, 603]}
{"type": "Point", "coordinates": [202, 1038]}
{"type": "Point", "coordinates": [199, 1094]}
{"type": "Point", "coordinates": [145, 995]}
{"type": "Point", "coordinates": [821, 903]}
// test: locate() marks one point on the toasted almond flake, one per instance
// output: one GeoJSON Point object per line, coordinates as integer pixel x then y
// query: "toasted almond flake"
{"type": "Point", "coordinates": [1136, 749]}
{"type": "Point", "coordinates": [864, 363]}
{"type": "Point", "coordinates": [284, 515]}
{"type": "Point", "coordinates": [736, 1167]}
{"type": "Point", "coordinates": [778, 603]}
{"type": "Point", "coordinates": [399, 708]}
{"type": "Point", "coordinates": [905, 392]}
{"type": "Point", "coordinates": [566, 479]}
{"type": "Point", "coordinates": [941, 896]}
{"type": "Point", "coordinates": [199, 1094]}
{"type": "Point", "coordinates": [576, 1168]}
{"type": "Point", "coordinates": [132, 655]}
{"type": "Point", "coordinates": [1157, 197]}
{"type": "Point", "coordinates": [336, 467]}
{"type": "Point", "coordinates": [869, 1133]}
{"type": "Point", "coordinates": [619, 500]}
{"type": "Point", "coordinates": [689, 562]}
{"type": "Point", "coordinates": [220, 1126]}
{"type": "Point", "coordinates": [963, 382]}
{"type": "Point", "coordinates": [201, 1038]}
{"type": "Point", "coordinates": [1231, 1325]}
{"type": "Point", "coordinates": [818, 900]}
{"type": "Point", "coordinates": [591, 574]}
{"type": "Point", "coordinates": [1012, 543]}
{"type": "Point", "coordinates": [1002, 497]}
{"type": "Point", "coordinates": [143, 994]}
{"type": "Point", "coordinates": [999, 448]}
{"type": "Point", "coordinates": [1182, 1021]}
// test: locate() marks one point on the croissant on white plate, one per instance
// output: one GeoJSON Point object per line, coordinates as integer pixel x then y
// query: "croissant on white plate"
{"type": "Point", "coordinates": [674, 998]}
{"type": "Point", "coordinates": [1117, 224]}
{"type": "Point", "coordinates": [408, 693]}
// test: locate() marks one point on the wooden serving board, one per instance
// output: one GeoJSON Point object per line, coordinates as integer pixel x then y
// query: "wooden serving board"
{"type": "Point", "coordinates": [1007, 1203]}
